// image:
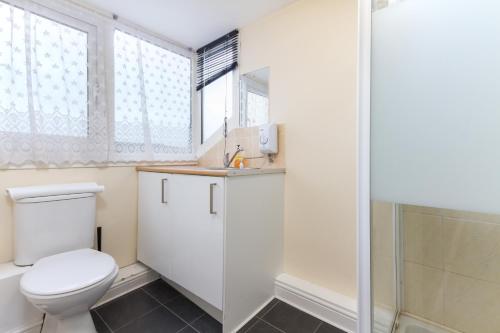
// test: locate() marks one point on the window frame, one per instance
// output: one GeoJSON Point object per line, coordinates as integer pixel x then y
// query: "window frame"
{"type": "Point", "coordinates": [100, 39]}
{"type": "Point", "coordinates": [66, 17]}
{"type": "Point", "coordinates": [233, 120]}
{"type": "Point", "coordinates": [110, 77]}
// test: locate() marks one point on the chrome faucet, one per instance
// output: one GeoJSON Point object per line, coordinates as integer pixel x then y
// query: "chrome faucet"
{"type": "Point", "coordinates": [227, 160]}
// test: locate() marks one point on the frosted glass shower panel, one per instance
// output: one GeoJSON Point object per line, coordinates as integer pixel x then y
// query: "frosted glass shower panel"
{"type": "Point", "coordinates": [436, 104]}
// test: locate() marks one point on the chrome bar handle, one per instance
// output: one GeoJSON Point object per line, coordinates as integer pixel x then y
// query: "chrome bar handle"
{"type": "Point", "coordinates": [212, 211]}
{"type": "Point", "coordinates": [163, 200]}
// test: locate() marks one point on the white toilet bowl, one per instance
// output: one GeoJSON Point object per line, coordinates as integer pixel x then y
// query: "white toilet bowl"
{"type": "Point", "coordinates": [66, 285]}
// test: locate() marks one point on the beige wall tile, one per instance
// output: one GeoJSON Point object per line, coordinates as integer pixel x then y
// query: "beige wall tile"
{"type": "Point", "coordinates": [470, 245]}
{"type": "Point", "coordinates": [249, 140]}
{"type": "Point", "coordinates": [423, 292]}
{"type": "Point", "coordinates": [471, 305]}
{"type": "Point", "coordinates": [423, 239]}
{"type": "Point", "coordinates": [492, 218]}
{"type": "Point", "coordinates": [382, 228]}
{"type": "Point", "coordinates": [383, 281]}
{"type": "Point", "coordinates": [472, 248]}
{"type": "Point", "coordinates": [383, 256]}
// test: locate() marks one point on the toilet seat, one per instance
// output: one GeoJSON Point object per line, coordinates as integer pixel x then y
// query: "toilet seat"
{"type": "Point", "coordinates": [67, 272]}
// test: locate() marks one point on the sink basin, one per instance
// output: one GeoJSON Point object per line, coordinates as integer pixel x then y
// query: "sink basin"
{"type": "Point", "coordinates": [230, 168]}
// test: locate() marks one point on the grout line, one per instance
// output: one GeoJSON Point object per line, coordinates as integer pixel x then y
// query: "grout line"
{"type": "Point", "coordinates": [157, 300]}
{"type": "Point", "coordinates": [104, 321]}
{"type": "Point", "coordinates": [279, 329]}
{"type": "Point", "coordinates": [175, 314]}
{"type": "Point", "coordinates": [269, 310]}
{"type": "Point", "coordinates": [142, 316]}
{"type": "Point", "coordinates": [257, 319]}
{"type": "Point", "coordinates": [194, 328]}
{"type": "Point", "coordinates": [444, 270]}
{"type": "Point", "coordinates": [181, 328]}
{"type": "Point", "coordinates": [319, 325]}
{"type": "Point", "coordinates": [160, 304]}
{"type": "Point", "coordinates": [114, 300]}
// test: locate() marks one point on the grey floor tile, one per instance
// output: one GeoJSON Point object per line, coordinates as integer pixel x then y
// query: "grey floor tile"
{"type": "Point", "coordinates": [290, 319]}
{"type": "Point", "coordinates": [207, 324]}
{"type": "Point", "coordinates": [327, 328]}
{"type": "Point", "coordinates": [263, 327]}
{"type": "Point", "coordinates": [159, 320]}
{"type": "Point", "coordinates": [268, 307]}
{"type": "Point", "coordinates": [184, 308]}
{"type": "Point", "coordinates": [127, 308]}
{"type": "Point", "coordinates": [99, 324]}
{"type": "Point", "coordinates": [248, 325]}
{"type": "Point", "coordinates": [161, 291]}
{"type": "Point", "coordinates": [188, 329]}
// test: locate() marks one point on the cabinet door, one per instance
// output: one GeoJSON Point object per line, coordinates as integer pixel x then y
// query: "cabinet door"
{"type": "Point", "coordinates": [154, 246]}
{"type": "Point", "coordinates": [198, 210]}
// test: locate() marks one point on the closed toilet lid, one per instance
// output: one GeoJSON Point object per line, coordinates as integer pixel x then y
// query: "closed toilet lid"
{"type": "Point", "coordinates": [66, 272]}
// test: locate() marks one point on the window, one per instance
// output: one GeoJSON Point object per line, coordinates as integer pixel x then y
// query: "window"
{"type": "Point", "coordinates": [43, 86]}
{"type": "Point", "coordinates": [152, 98]}
{"type": "Point", "coordinates": [77, 88]}
{"type": "Point", "coordinates": [217, 103]}
{"type": "Point", "coordinates": [46, 88]}
{"type": "Point", "coordinates": [215, 68]}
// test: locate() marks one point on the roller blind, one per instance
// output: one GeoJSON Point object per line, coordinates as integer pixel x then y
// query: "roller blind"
{"type": "Point", "coordinates": [216, 59]}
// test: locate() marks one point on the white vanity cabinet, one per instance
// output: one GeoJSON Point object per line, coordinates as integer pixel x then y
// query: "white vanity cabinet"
{"type": "Point", "coordinates": [219, 237]}
{"type": "Point", "coordinates": [181, 228]}
{"type": "Point", "coordinates": [155, 228]}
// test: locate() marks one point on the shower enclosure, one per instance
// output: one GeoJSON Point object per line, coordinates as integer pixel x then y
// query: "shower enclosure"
{"type": "Point", "coordinates": [435, 166]}
{"type": "Point", "coordinates": [434, 270]}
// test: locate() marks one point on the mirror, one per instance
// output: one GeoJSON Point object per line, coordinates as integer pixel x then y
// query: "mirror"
{"type": "Point", "coordinates": [254, 98]}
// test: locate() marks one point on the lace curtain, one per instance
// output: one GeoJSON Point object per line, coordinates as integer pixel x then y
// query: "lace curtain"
{"type": "Point", "coordinates": [49, 114]}
{"type": "Point", "coordinates": [53, 108]}
{"type": "Point", "coordinates": [152, 98]}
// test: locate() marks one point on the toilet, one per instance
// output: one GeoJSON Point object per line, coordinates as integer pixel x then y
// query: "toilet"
{"type": "Point", "coordinates": [54, 232]}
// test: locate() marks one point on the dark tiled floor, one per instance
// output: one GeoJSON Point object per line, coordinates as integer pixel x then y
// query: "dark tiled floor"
{"type": "Point", "coordinates": [280, 317]}
{"type": "Point", "coordinates": [156, 307]}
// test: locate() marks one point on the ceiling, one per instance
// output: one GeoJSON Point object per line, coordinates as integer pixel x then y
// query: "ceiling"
{"type": "Point", "coordinates": [192, 23]}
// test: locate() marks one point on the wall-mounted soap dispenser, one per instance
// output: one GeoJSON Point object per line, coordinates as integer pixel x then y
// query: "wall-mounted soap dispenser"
{"type": "Point", "coordinates": [268, 139]}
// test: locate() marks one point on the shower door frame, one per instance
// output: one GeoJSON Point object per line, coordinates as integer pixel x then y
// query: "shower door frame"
{"type": "Point", "coordinates": [365, 311]}
{"type": "Point", "coordinates": [364, 264]}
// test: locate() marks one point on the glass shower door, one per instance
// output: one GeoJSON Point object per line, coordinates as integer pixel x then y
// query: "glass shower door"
{"type": "Point", "coordinates": [385, 240]}
{"type": "Point", "coordinates": [435, 158]}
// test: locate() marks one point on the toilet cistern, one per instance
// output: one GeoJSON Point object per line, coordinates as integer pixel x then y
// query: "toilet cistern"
{"type": "Point", "coordinates": [55, 226]}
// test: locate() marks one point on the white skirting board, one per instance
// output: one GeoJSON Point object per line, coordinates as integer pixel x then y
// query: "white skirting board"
{"type": "Point", "coordinates": [333, 308]}
{"type": "Point", "coordinates": [336, 309]}
{"type": "Point", "coordinates": [129, 278]}
{"type": "Point", "coordinates": [28, 318]}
